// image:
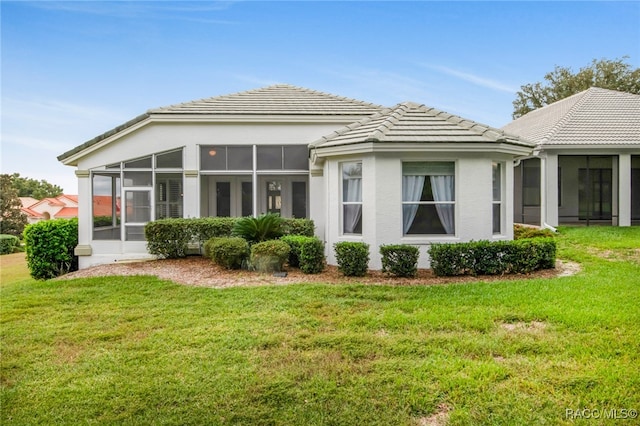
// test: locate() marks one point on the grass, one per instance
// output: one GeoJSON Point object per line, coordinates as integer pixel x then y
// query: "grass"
{"type": "Point", "coordinates": [138, 350]}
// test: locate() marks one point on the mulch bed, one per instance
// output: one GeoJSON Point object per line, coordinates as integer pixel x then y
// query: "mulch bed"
{"type": "Point", "coordinates": [201, 272]}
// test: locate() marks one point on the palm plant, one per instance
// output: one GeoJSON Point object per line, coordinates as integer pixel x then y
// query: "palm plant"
{"type": "Point", "coordinates": [257, 229]}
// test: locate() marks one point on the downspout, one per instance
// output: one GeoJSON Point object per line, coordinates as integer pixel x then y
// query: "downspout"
{"type": "Point", "coordinates": [543, 190]}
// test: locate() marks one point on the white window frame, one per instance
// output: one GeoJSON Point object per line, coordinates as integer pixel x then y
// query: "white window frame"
{"type": "Point", "coordinates": [344, 203]}
{"type": "Point", "coordinates": [434, 203]}
{"type": "Point", "coordinates": [499, 202]}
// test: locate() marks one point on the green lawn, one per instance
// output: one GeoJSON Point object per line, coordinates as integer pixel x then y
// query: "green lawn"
{"type": "Point", "coordinates": [138, 350]}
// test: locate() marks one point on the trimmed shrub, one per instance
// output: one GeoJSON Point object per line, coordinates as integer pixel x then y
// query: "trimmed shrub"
{"type": "Point", "coordinates": [307, 253]}
{"type": "Point", "coordinates": [203, 229]}
{"type": "Point", "coordinates": [304, 227]}
{"type": "Point", "coordinates": [295, 243]}
{"type": "Point", "coordinates": [521, 232]}
{"type": "Point", "coordinates": [228, 252]}
{"type": "Point", "coordinates": [352, 258]}
{"type": "Point", "coordinates": [168, 238]}
{"type": "Point", "coordinates": [49, 247]}
{"type": "Point", "coordinates": [400, 260]}
{"type": "Point", "coordinates": [312, 260]}
{"type": "Point", "coordinates": [269, 256]}
{"type": "Point", "coordinates": [8, 243]}
{"type": "Point", "coordinates": [257, 229]}
{"type": "Point", "coordinates": [491, 258]}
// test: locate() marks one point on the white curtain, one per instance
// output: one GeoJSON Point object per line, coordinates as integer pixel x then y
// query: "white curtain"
{"type": "Point", "coordinates": [352, 212]}
{"type": "Point", "coordinates": [442, 187]}
{"type": "Point", "coordinates": [411, 191]}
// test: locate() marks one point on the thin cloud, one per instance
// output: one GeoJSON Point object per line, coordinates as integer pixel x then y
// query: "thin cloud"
{"type": "Point", "coordinates": [472, 78]}
{"type": "Point", "coordinates": [143, 9]}
{"type": "Point", "coordinates": [39, 144]}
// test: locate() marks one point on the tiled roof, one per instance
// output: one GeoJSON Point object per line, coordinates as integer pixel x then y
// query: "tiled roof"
{"type": "Point", "coordinates": [67, 212]}
{"type": "Point", "coordinates": [593, 117]}
{"type": "Point", "coordinates": [28, 201]}
{"type": "Point", "coordinates": [281, 99]}
{"type": "Point", "coordinates": [271, 101]}
{"type": "Point", "coordinates": [409, 122]}
{"type": "Point", "coordinates": [31, 213]}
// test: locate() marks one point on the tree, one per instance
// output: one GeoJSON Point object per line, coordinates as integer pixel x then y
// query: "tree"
{"type": "Point", "coordinates": [562, 82]}
{"type": "Point", "coordinates": [37, 189]}
{"type": "Point", "coordinates": [12, 220]}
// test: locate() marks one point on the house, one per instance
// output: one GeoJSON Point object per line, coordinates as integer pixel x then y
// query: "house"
{"type": "Point", "coordinates": [407, 174]}
{"type": "Point", "coordinates": [61, 207]}
{"type": "Point", "coordinates": [586, 165]}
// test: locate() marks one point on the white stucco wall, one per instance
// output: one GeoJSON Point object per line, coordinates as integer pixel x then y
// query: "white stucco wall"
{"type": "Point", "coordinates": [155, 137]}
{"type": "Point", "coordinates": [382, 201]}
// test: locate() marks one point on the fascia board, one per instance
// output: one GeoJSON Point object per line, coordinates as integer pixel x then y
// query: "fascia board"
{"type": "Point", "coordinates": [246, 118]}
{"type": "Point", "coordinates": [73, 159]}
{"type": "Point", "coordinates": [370, 147]}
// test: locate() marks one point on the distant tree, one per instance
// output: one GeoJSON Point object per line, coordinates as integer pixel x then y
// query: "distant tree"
{"type": "Point", "coordinates": [12, 220]}
{"type": "Point", "coordinates": [37, 189]}
{"type": "Point", "coordinates": [563, 82]}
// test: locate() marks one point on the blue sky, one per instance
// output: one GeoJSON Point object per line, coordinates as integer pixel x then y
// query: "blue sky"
{"type": "Point", "coordinates": [73, 70]}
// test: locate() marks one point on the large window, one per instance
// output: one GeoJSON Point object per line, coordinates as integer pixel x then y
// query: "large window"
{"type": "Point", "coordinates": [497, 198]}
{"type": "Point", "coordinates": [226, 157]}
{"type": "Point", "coordinates": [106, 206]}
{"type": "Point", "coordinates": [352, 198]}
{"type": "Point", "coordinates": [150, 187]}
{"type": "Point", "coordinates": [531, 182]}
{"type": "Point", "coordinates": [428, 198]}
{"type": "Point", "coordinates": [283, 157]}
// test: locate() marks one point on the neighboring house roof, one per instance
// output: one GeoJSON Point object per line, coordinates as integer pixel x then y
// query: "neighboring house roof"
{"type": "Point", "coordinates": [32, 213]}
{"type": "Point", "coordinates": [67, 212]}
{"type": "Point", "coordinates": [413, 123]}
{"type": "Point", "coordinates": [593, 117]}
{"type": "Point", "coordinates": [69, 197]}
{"type": "Point", "coordinates": [272, 101]}
{"type": "Point", "coordinates": [27, 201]}
{"type": "Point", "coordinates": [65, 204]}
{"type": "Point", "coordinates": [103, 205]}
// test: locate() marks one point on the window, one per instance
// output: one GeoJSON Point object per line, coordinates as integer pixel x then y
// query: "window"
{"type": "Point", "coordinates": [274, 196]}
{"type": "Point", "coordinates": [168, 195]}
{"type": "Point", "coordinates": [352, 198]}
{"type": "Point", "coordinates": [531, 183]}
{"type": "Point", "coordinates": [169, 160]}
{"type": "Point", "coordinates": [283, 157]}
{"type": "Point", "coordinates": [428, 198]}
{"type": "Point", "coordinates": [135, 192]}
{"type": "Point", "coordinates": [226, 157]}
{"type": "Point", "coordinates": [497, 198]}
{"type": "Point", "coordinates": [299, 199]}
{"type": "Point", "coordinates": [106, 206]}
{"type": "Point", "coordinates": [141, 163]}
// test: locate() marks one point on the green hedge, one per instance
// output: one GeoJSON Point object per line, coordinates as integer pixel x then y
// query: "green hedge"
{"type": "Point", "coordinates": [304, 227]}
{"type": "Point", "coordinates": [400, 260]}
{"type": "Point", "coordinates": [8, 243]}
{"type": "Point", "coordinates": [491, 258]}
{"type": "Point", "coordinates": [307, 253]}
{"type": "Point", "coordinates": [228, 252]}
{"type": "Point", "coordinates": [352, 258]}
{"type": "Point", "coordinates": [269, 256]}
{"type": "Point", "coordinates": [49, 246]}
{"type": "Point", "coordinates": [170, 238]}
